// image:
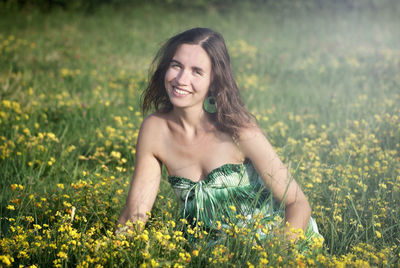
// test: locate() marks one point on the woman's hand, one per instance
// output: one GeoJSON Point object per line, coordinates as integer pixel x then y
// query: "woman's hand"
{"type": "Point", "coordinates": [128, 220]}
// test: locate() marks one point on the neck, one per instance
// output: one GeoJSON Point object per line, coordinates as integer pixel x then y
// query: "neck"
{"type": "Point", "coordinates": [193, 121]}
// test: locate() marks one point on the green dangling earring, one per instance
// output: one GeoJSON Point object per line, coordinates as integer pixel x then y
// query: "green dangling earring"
{"type": "Point", "coordinates": [209, 105]}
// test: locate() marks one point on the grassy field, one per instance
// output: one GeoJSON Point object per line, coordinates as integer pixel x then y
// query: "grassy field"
{"type": "Point", "coordinates": [323, 83]}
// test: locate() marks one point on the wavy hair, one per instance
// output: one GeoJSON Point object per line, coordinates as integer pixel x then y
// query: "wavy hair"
{"type": "Point", "coordinates": [231, 114]}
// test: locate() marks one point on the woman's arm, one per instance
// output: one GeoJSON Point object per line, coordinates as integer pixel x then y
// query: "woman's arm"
{"type": "Point", "coordinates": [146, 177]}
{"type": "Point", "coordinates": [276, 177]}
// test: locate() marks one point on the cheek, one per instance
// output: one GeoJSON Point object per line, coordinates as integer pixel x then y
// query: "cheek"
{"type": "Point", "coordinates": [169, 75]}
{"type": "Point", "coordinates": [204, 83]}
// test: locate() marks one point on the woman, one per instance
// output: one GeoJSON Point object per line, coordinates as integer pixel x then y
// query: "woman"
{"type": "Point", "coordinates": [217, 157]}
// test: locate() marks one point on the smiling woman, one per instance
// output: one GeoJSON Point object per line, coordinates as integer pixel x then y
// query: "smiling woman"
{"type": "Point", "coordinates": [188, 77]}
{"type": "Point", "coordinates": [217, 157]}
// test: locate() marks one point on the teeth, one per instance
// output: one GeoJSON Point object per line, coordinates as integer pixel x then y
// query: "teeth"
{"type": "Point", "coordinates": [182, 92]}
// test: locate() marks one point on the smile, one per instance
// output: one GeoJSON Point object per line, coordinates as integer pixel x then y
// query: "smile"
{"type": "Point", "coordinates": [180, 91]}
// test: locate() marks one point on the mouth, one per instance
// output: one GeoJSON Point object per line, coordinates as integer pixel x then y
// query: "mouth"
{"type": "Point", "coordinates": [180, 91]}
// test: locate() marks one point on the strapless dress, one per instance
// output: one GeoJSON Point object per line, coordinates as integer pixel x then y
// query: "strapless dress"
{"type": "Point", "coordinates": [227, 191]}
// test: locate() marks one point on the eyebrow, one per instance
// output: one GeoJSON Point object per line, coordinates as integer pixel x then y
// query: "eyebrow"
{"type": "Point", "coordinates": [194, 67]}
{"type": "Point", "coordinates": [175, 61]}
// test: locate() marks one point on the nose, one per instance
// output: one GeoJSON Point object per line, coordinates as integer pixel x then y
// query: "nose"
{"type": "Point", "coordinates": [182, 78]}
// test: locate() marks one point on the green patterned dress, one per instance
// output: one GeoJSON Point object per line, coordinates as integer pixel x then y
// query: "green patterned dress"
{"type": "Point", "coordinates": [229, 190]}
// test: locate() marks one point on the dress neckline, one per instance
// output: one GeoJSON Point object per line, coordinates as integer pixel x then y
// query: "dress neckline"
{"type": "Point", "coordinates": [211, 173]}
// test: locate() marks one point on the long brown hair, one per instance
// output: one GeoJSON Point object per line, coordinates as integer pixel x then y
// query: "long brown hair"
{"type": "Point", "coordinates": [231, 114]}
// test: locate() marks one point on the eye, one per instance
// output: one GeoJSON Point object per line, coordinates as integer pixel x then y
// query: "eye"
{"type": "Point", "coordinates": [175, 65]}
{"type": "Point", "coordinates": [198, 72]}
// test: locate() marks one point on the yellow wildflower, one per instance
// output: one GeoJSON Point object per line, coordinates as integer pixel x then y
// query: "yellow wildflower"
{"type": "Point", "coordinates": [154, 263]}
{"type": "Point", "coordinates": [62, 255]}
{"type": "Point", "coordinates": [378, 234]}
{"type": "Point", "coordinates": [116, 155]}
{"type": "Point", "coordinates": [6, 259]}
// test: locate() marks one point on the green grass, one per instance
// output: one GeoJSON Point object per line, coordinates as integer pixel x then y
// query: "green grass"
{"type": "Point", "coordinates": [324, 84]}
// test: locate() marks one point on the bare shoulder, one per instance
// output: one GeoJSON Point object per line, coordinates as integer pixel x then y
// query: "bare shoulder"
{"type": "Point", "coordinates": [152, 133]}
{"type": "Point", "coordinates": [153, 124]}
{"type": "Point", "coordinates": [253, 143]}
{"type": "Point", "coordinates": [249, 133]}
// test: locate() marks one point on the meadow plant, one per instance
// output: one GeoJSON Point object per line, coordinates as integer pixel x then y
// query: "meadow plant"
{"type": "Point", "coordinates": [69, 120]}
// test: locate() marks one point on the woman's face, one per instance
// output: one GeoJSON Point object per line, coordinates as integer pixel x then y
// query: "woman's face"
{"type": "Point", "coordinates": [188, 76]}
